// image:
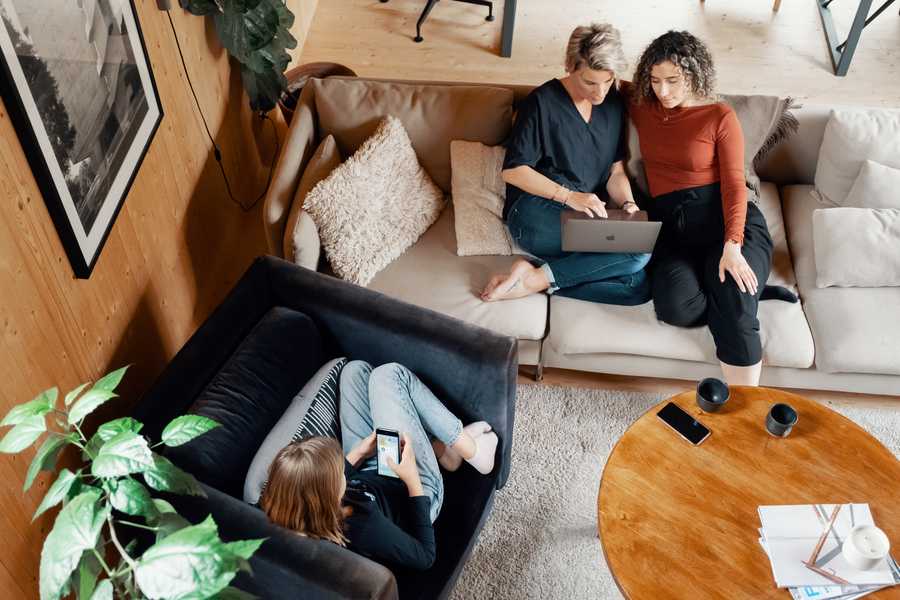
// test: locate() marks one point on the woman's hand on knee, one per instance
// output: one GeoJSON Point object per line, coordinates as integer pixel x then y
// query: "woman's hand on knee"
{"type": "Point", "coordinates": [363, 450]}
{"type": "Point", "coordinates": [589, 204]}
{"type": "Point", "coordinates": [407, 470]}
{"type": "Point", "coordinates": [736, 265]}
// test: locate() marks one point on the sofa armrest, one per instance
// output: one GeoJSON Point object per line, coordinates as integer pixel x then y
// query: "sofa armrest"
{"type": "Point", "coordinates": [305, 246]}
{"type": "Point", "coordinates": [471, 369]}
{"type": "Point", "coordinates": [289, 565]}
{"type": "Point", "coordinates": [298, 148]}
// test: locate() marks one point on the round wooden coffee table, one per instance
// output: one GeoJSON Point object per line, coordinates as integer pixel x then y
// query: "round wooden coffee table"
{"type": "Point", "coordinates": [679, 521]}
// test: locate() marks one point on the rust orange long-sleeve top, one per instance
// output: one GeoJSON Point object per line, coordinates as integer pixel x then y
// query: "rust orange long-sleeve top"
{"type": "Point", "coordinates": [692, 146]}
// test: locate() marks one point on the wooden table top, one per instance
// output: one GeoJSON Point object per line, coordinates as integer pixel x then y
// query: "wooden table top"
{"type": "Point", "coordinates": [679, 521]}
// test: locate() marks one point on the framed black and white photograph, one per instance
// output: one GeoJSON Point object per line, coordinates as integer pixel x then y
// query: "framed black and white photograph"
{"type": "Point", "coordinates": [78, 87]}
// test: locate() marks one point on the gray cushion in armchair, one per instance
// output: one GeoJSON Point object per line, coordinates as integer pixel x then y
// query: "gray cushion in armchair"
{"type": "Point", "coordinates": [246, 362]}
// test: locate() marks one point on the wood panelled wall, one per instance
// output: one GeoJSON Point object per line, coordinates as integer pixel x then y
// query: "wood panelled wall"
{"type": "Point", "coordinates": [177, 247]}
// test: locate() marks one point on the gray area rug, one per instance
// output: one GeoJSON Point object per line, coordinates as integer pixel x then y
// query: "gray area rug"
{"type": "Point", "coordinates": [541, 539]}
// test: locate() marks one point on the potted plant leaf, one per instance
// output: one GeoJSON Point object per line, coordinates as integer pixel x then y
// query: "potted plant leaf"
{"type": "Point", "coordinates": [84, 552]}
{"type": "Point", "coordinates": [257, 34]}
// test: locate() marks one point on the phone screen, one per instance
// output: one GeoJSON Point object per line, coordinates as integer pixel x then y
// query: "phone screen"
{"type": "Point", "coordinates": [388, 443]}
{"type": "Point", "coordinates": [686, 425]}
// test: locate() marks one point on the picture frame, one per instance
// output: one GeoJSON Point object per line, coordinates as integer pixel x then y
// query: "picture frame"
{"type": "Point", "coordinates": [79, 89]}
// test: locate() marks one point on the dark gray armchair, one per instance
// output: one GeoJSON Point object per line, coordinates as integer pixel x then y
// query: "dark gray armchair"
{"type": "Point", "coordinates": [243, 367]}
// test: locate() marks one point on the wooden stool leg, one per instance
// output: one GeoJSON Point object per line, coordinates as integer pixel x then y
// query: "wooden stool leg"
{"type": "Point", "coordinates": [776, 6]}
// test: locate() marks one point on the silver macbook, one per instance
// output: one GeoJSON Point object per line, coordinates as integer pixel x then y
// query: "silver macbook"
{"type": "Point", "coordinates": [620, 232]}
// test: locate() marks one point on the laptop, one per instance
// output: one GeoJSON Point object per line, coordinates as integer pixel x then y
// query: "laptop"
{"type": "Point", "coordinates": [620, 232]}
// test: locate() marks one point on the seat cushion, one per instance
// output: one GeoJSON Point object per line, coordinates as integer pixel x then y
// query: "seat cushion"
{"type": "Point", "coordinates": [856, 330]}
{"type": "Point", "coordinates": [430, 274]}
{"type": "Point", "coordinates": [580, 327]}
{"type": "Point", "coordinates": [433, 115]}
{"type": "Point", "coordinates": [248, 395]}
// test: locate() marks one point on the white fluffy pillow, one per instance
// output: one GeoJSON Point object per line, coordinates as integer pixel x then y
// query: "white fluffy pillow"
{"type": "Point", "coordinates": [877, 186]}
{"type": "Point", "coordinates": [852, 137]}
{"type": "Point", "coordinates": [478, 196]}
{"type": "Point", "coordinates": [375, 205]}
{"type": "Point", "coordinates": [857, 247]}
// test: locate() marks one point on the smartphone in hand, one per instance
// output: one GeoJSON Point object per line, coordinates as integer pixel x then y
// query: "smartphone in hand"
{"type": "Point", "coordinates": [387, 442]}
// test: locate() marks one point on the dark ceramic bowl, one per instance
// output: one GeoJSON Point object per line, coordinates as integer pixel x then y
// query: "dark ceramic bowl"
{"type": "Point", "coordinates": [712, 394]}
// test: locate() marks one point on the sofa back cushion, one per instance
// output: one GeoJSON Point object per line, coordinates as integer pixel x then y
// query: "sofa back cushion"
{"type": "Point", "coordinates": [433, 115]}
{"type": "Point", "coordinates": [248, 395]}
{"type": "Point", "coordinates": [851, 137]}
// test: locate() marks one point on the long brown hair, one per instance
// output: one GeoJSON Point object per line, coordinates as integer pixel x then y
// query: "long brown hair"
{"type": "Point", "coordinates": [303, 492]}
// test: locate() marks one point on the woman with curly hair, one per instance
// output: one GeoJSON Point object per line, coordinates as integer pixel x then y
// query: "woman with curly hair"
{"type": "Point", "coordinates": [565, 152]}
{"type": "Point", "coordinates": [714, 253]}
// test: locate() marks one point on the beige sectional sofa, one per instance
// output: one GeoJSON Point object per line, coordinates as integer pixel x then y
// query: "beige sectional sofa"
{"type": "Point", "coordinates": [836, 338]}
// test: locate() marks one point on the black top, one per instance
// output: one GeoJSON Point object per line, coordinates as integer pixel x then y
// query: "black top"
{"type": "Point", "coordinates": [551, 136]}
{"type": "Point", "coordinates": [387, 525]}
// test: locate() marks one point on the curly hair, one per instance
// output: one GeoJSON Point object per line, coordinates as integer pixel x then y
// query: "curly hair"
{"type": "Point", "coordinates": [597, 46]}
{"type": "Point", "coordinates": [684, 50]}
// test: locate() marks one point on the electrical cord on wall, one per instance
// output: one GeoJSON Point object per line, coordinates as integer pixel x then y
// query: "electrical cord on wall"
{"type": "Point", "coordinates": [216, 151]}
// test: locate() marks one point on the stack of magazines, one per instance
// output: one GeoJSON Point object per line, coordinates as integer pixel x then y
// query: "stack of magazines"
{"type": "Point", "coordinates": [804, 543]}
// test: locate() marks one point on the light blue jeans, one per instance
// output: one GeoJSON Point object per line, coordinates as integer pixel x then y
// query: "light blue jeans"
{"type": "Point", "coordinates": [392, 397]}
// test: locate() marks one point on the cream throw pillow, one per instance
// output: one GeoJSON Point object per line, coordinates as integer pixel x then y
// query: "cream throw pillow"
{"type": "Point", "coordinates": [375, 205]}
{"type": "Point", "coordinates": [857, 247]}
{"type": "Point", "coordinates": [301, 239]}
{"type": "Point", "coordinates": [877, 186]}
{"type": "Point", "coordinates": [478, 196]}
{"type": "Point", "coordinates": [852, 137]}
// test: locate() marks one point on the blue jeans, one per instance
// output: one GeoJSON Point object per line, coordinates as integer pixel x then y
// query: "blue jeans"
{"type": "Point", "coordinates": [606, 277]}
{"type": "Point", "coordinates": [392, 397]}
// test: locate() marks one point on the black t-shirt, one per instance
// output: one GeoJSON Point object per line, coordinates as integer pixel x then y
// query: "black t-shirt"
{"type": "Point", "coordinates": [550, 136]}
{"type": "Point", "coordinates": [387, 525]}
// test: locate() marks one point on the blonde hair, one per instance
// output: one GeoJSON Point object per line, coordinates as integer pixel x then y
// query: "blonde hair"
{"type": "Point", "coordinates": [303, 492]}
{"type": "Point", "coordinates": [597, 46]}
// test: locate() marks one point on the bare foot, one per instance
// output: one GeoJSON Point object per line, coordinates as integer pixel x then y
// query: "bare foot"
{"type": "Point", "coordinates": [492, 285]}
{"type": "Point", "coordinates": [523, 280]}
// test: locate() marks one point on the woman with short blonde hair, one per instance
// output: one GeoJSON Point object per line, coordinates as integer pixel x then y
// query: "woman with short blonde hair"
{"type": "Point", "coordinates": [597, 46]}
{"type": "Point", "coordinates": [566, 152]}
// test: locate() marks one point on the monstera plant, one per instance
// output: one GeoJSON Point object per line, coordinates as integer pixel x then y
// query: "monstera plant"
{"type": "Point", "coordinates": [84, 552]}
{"type": "Point", "coordinates": [257, 34]}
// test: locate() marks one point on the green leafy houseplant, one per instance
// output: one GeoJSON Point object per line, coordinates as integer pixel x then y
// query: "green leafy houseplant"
{"type": "Point", "coordinates": [257, 34]}
{"type": "Point", "coordinates": [83, 553]}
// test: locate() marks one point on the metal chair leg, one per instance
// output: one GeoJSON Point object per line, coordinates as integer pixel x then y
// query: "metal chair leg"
{"type": "Point", "coordinates": [421, 20]}
{"type": "Point", "coordinates": [487, 3]}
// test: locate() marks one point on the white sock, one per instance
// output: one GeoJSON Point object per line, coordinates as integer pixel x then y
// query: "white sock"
{"type": "Point", "coordinates": [485, 448]}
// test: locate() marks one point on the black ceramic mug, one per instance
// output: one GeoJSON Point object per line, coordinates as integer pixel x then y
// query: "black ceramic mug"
{"type": "Point", "coordinates": [712, 394]}
{"type": "Point", "coordinates": [781, 419]}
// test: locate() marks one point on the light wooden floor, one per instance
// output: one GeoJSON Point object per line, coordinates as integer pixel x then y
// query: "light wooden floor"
{"type": "Point", "coordinates": [757, 51]}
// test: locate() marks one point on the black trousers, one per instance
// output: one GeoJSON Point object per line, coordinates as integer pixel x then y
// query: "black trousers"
{"type": "Point", "coordinates": [684, 271]}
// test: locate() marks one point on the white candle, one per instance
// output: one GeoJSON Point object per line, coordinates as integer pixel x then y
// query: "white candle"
{"type": "Point", "coordinates": [866, 547]}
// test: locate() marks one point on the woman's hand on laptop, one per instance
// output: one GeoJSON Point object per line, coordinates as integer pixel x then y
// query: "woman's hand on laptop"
{"type": "Point", "coordinates": [589, 204]}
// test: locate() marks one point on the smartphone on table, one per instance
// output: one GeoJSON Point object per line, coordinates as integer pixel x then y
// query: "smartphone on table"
{"type": "Point", "coordinates": [684, 424]}
{"type": "Point", "coordinates": [387, 442]}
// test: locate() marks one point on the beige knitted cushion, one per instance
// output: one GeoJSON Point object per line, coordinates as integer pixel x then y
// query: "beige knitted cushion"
{"type": "Point", "coordinates": [478, 196]}
{"type": "Point", "coordinates": [375, 205]}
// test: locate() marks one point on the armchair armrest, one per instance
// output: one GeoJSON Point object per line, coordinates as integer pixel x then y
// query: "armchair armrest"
{"type": "Point", "coordinates": [289, 565]}
{"type": "Point", "coordinates": [298, 148]}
